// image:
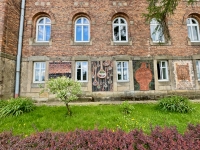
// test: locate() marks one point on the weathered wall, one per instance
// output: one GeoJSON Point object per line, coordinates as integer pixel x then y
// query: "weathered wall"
{"type": "Point", "coordinates": [9, 26]}
{"type": "Point", "coordinates": [138, 49]}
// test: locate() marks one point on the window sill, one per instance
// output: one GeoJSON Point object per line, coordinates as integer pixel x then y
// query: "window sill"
{"type": "Point", "coordinates": [34, 43]}
{"type": "Point", "coordinates": [37, 85]}
{"type": "Point", "coordinates": [167, 43]}
{"type": "Point", "coordinates": [163, 80]}
{"type": "Point", "coordinates": [193, 43]}
{"type": "Point", "coordinates": [127, 43]}
{"type": "Point", "coordinates": [123, 81]}
{"type": "Point", "coordinates": [80, 43]}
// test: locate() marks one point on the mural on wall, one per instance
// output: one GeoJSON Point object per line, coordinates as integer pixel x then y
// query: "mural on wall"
{"type": "Point", "coordinates": [143, 75]}
{"type": "Point", "coordinates": [59, 68]}
{"type": "Point", "coordinates": [102, 75]}
{"type": "Point", "coordinates": [184, 75]}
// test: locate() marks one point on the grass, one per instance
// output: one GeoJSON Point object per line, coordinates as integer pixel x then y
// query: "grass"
{"type": "Point", "coordinates": [102, 116]}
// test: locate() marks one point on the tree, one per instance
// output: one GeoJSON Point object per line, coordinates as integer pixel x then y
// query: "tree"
{"type": "Point", "coordinates": [65, 89]}
{"type": "Point", "coordinates": [160, 10]}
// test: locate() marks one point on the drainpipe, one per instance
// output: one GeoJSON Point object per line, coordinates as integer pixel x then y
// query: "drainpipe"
{"type": "Point", "coordinates": [19, 50]}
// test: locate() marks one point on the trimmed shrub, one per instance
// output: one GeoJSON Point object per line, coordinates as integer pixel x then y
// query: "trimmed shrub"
{"type": "Point", "coordinates": [159, 138]}
{"type": "Point", "coordinates": [175, 104]}
{"type": "Point", "coordinates": [16, 107]}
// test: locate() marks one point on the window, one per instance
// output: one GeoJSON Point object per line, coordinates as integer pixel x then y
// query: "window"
{"type": "Point", "coordinates": [193, 29]}
{"type": "Point", "coordinates": [162, 70]}
{"type": "Point", "coordinates": [39, 72]}
{"type": "Point", "coordinates": [122, 71]}
{"type": "Point", "coordinates": [157, 35]}
{"type": "Point", "coordinates": [82, 71]}
{"type": "Point", "coordinates": [43, 32]}
{"type": "Point", "coordinates": [198, 69]}
{"type": "Point", "coordinates": [120, 30]}
{"type": "Point", "coordinates": [82, 30]}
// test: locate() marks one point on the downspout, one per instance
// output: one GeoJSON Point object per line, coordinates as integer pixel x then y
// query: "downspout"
{"type": "Point", "coordinates": [19, 50]}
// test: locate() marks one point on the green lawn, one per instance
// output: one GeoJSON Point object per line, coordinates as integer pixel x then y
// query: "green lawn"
{"type": "Point", "coordinates": [102, 116]}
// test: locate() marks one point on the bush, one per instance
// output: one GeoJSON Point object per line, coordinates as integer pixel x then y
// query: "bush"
{"type": "Point", "coordinates": [175, 104]}
{"type": "Point", "coordinates": [126, 108]}
{"type": "Point", "coordinates": [17, 107]}
{"type": "Point", "coordinates": [159, 138]}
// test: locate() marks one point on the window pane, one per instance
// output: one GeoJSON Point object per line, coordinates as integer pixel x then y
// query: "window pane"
{"type": "Point", "coordinates": [48, 21]}
{"type": "Point", "coordinates": [195, 33]}
{"type": "Point", "coordinates": [116, 21]}
{"type": "Point", "coordinates": [78, 21]}
{"type": "Point", "coordinates": [43, 75]}
{"type": "Point", "coordinates": [118, 64]}
{"type": "Point", "coordinates": [37, 65]}
{"type": "Point", "coordinates": [40, 33]}
{"type": "Point", "coordinates": [85, 21]}
{"type": "Point", "coordinates": [84, 75]}
{"type": "Point", "coordinates": [78, 74]}
{"type": "Point", "coordinates": [119, 73]}
{"type": "Point", "coordinates": [123, 33]}
{"type": "Point", "coordinates": [125, 74]}
{"type": "Point", "coordinates": [48, 33]}
{"type": "Point", "coordinates": [78, 33]}
{"type": "Point", "coordinates": [153, 33]}
{"type": "Point", "coordinates": [41, 21]}
{"type": "Point", "coordinates": [189, 33]}
{"type": "Point", "coordinates": [164, 73]}
{"type": "Point", "coordinates": [37, 74]}
{"type": "Point", "coordinates": [163, 64]}
{"type": "Point", "coordinates": [198, 69]}
{"type": "Point", "coordinates": [78, 65]}
{"type": "Point", "coordinates": [86, 36]}
{"type": "Point", "coordinates": [116, 33]}
{"type": "Point", "coordinates": [122, 21]}
{"type": "Point", "coordinates": [158, 68]}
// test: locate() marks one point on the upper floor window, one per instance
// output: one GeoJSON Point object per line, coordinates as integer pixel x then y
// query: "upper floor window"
{"type": "Point", "coordinates": [43, 32]}
{"type": "Point", "coordinates": [193, 29]}
{"type": "Point", "coordinates": [122, 70]}
{"type": "Point", "coordinates": [82, 30]}
{"type": "Point", "coordinates": [157, 35]}
{"type": "Point", "coordinates": [120, 33]}
{"type": "Point", "coordinates": [82, 71]}
{"type": "Point", "coordinates": [162, 68]}
{"type": "Point", "coordinates": [198, 69]}
{"type": "Point", "coordinates": [39, 72]}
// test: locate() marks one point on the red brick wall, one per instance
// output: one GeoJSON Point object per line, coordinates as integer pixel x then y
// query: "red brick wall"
{"type": "Point", "coordinates": [9, 26]}
{"type": "Point", "coordinates": [63, 12]}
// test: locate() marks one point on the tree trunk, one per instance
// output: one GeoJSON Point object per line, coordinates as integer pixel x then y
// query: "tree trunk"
{"type": "Point", "coordinates": [68, 110]}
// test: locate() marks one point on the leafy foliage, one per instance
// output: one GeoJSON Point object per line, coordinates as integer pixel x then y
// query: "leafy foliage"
{"type": "Point", "coordinates": [65, 89]}
{"type": "Point", "coordinates": [126, 108]}
{"type": "Point", "coordinates": [160, 10]}
{"type": "Point", "coordinates": [3, 103]}
{"type": "Point", "coordinates": [175, 104]}
{"type": "Point", "coordinates": [17, 107]}
{"type": "Point", "coordinates": [159, 138]}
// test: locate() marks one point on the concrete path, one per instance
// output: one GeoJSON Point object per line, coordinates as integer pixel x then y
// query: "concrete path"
{"type": "Point", "coordinates": [59, 103]}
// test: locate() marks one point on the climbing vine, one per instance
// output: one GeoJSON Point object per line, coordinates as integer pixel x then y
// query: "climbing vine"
{"type": "Point", "coordinates": [160, 10]}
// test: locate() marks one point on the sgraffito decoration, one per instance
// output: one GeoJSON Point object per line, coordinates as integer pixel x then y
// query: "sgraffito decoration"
{"type": "Point", "coordinates": [184, 75]}
{"type": "Point", "coordinates": [143, 75]}
{"type": "Point", "coordinates": [102, 75]}
{"type": "Point", "coordinates": [59, 68]}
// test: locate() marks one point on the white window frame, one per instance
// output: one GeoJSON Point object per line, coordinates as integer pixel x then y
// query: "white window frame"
{"type": "Point", "coordinates": [82, 68]}
{"type": "Point", "coordinates": [119, 24]}
{"type": "Point", "coordinates": [156, 30]}
{"type": "Point", "coordinates": [161, 70]}
{"type": "Point", "coordinates": [44, 29]}
{"type": "Point", "coordinates": [198, 69]}
{"type": "Point", "coordinates": [40, 72]}
{"type": "Point", "coordinates": [82, 25]}
{"type": "Point", "coordinates": [122, 71]}
{"type": "Point", "coordinates": [191, 25]}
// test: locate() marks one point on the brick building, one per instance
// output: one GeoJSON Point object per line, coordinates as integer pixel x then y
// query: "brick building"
{"type": "Point", "coordinates": [9, 26]}
{"type": "Point", "coordinates": [108, 46]}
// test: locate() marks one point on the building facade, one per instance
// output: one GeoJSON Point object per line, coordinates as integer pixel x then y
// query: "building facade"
{"type": "Point", "coordinates": [9, 26]}
{"type": "Point", "coordinates": [109, 47]}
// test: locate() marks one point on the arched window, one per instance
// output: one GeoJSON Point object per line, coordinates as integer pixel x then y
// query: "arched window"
{"type": "Point", "coordinates": [43, 31]}
{"type": "Point", "coordinates": [193, 29]}
{"type": "Point", "coordinates": [156, 31]}
{"type": "Point", "coordinates": [120, 33]}
{"type": "Point", "coordinates": [82, 30]}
